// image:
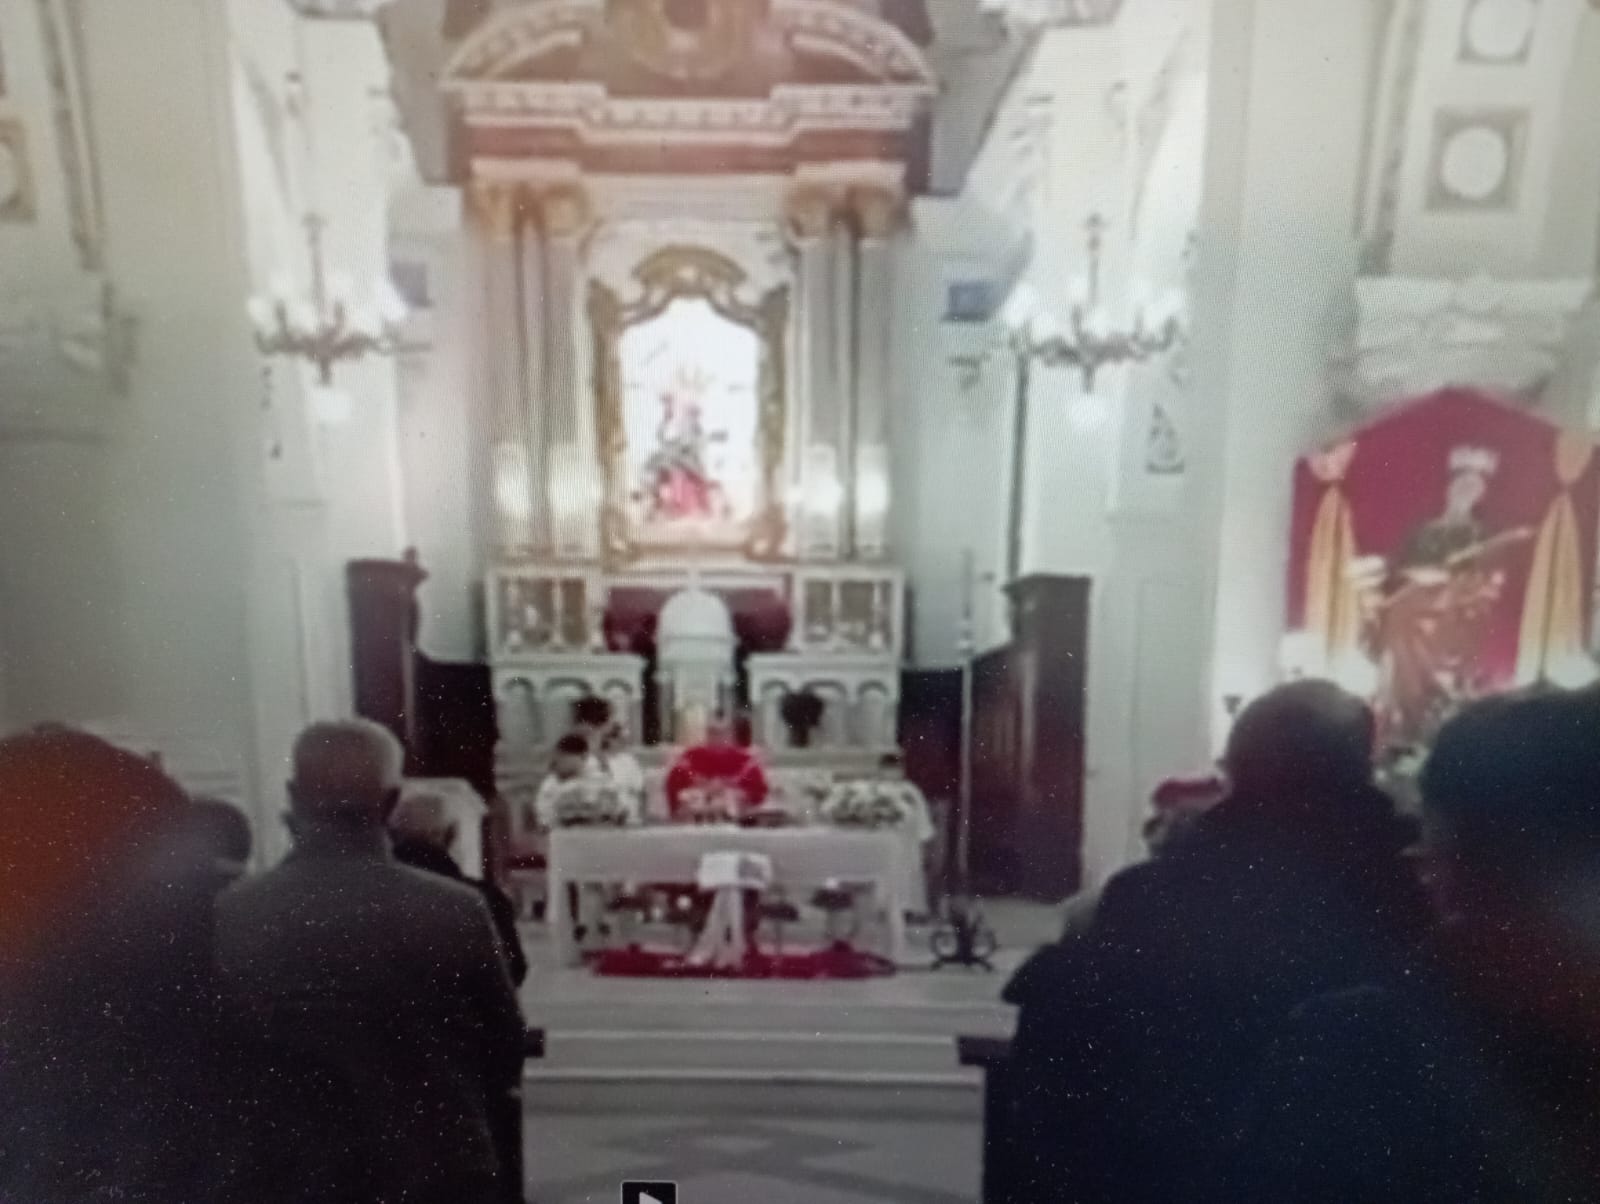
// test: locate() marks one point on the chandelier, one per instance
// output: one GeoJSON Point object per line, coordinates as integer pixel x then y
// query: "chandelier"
{"type": "Point", "coordinates": [332, 324]}
{"type": "Point", "coordinates": [1092, 339]}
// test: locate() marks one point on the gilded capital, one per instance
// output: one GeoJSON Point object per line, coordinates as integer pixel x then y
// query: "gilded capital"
{"type": "Point", "coordinates": [809, 212]}
{"type": "Point", "coordinates": [878, 211]}
{"type": "Point", "coordinates": [494, 206]}
{"type": "Point", "coordinates": [565, 211]}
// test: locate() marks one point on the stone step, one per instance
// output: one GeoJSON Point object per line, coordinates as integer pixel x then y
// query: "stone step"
{"type": "Point", "coordinates": [749, 1050]}
{"type": "Point", "coordinates": [696, 1010]}
{"type": "Point", "coordinates": [956, 1095]}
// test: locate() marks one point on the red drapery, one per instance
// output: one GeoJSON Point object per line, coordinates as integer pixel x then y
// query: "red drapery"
{"type": "Point", "coordinates": [1394, 490]}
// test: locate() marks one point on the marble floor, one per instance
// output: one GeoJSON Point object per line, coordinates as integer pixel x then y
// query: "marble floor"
{"type": "Point", "coordinates": [762, 1092]}
{"type": "Point", "coordinates": [764, 1159]}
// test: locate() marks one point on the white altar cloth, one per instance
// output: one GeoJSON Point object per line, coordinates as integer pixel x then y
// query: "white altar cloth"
{"type": "Point", "coordinates": [801, 858]}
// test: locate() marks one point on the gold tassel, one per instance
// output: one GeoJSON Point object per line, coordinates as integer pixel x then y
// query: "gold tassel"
{"type": "Point", "coordinates": [1332, 607]}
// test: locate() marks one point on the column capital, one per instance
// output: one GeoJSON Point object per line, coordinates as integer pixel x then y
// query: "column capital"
{"type": "Point", "coordinates": [879, 212]}
{"type": "Point", "coordinates": [494, 206]}
{"type": "Point", "coordinates": [808, 213]}
{"type": "Point", "coordinates": [565, 210]}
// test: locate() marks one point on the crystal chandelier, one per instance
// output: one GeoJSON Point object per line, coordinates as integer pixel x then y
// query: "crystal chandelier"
{"type": "Point", "coordinates": [331, 325]}
{"type": "Point", "coordinates": [1092, 339]}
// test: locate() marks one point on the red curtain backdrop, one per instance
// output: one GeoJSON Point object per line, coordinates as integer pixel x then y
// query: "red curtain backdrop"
{"type": "Point", "coordinates": [1392, 479]}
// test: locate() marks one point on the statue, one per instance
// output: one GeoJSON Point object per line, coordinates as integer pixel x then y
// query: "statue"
{"type": "Point", "coordinates": [1423, 614]}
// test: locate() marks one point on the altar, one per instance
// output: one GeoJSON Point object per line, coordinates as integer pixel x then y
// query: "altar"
{"type": "Point", "coordinates": [801, 858]}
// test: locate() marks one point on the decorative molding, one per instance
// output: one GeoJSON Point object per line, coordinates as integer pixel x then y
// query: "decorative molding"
{"type": "Point", "coordinates": [60, 23]}
{"type": "Point", "coordinates": [776, 120]}
{"type": "Point", "coordinates": [339, 10]}
{"type": "Point", "coordinates": [1041, 14]}
{"type": "Point", "coordinates": [1414, 336]}
{"type": "Point", "coordinates": [1397, 93]}
{"type": "Point", "coordinates": [17, 200]}
{"type": "Point", "coordinates": [1497, 32]}
{"type": "Point", "coordinates": [1163, 446]}
{"type": "Point", "coordinates": [1477, 159]}
{"type": "Point", "coordinates": [519, 35]}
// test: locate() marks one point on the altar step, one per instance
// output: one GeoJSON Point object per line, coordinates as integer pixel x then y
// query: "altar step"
{"type": "Point", "coordinates": [712, 1055]}
{"type": "Point", "coordinates": [769, 1009]}
{"type": "Point", "coordinates": [953, 1095]}
{"type": "Point", "coordinates": [816, 1053]}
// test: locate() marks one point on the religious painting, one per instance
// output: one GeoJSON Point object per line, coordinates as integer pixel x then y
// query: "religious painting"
{"type": "Point", "coordinates": [690, 404]}
{"type": "Point", "coordinates": [691, 417]}
{"type": "Point", "coordinates": [1444, 553]}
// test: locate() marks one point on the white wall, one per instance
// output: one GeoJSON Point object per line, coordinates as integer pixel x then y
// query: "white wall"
{"type": "Point", "coordinates": [179, 522]}
{"type": "Point", "coordinates": [951, 433]}
{"type": "Point", "coordinates": [1291, 166]}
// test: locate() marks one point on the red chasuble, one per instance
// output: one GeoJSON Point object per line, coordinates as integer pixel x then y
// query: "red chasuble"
{"type": "Point", "coordinates": [709, 765]}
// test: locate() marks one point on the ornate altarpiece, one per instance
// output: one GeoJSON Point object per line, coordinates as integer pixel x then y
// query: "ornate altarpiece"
{"type": "Point", "coordinates": [642, 177]}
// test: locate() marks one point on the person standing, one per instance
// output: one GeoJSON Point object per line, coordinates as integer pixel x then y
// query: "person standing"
{"type": "Point", "coordinates": [389, 978]}
{"type": "Point", "coordinates": [423, 833]}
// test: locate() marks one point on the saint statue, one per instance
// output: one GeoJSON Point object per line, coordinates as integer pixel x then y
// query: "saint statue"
{"type": "Point", "coordinates": [1424, 612]}
{"type": "Point", "coordinates": [677, 481]}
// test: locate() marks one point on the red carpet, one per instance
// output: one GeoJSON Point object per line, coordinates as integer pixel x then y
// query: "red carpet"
{"type": "Point", "coordinates": [837, 961]}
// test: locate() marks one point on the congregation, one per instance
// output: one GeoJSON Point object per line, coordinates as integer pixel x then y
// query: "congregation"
{"type": "Point", "coordinates": [1291, 999]}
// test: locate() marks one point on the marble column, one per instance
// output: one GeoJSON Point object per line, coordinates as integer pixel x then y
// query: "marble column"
{"type": "Point", "coordinates": [817, 511]}
{"type": "Point", "coordinates": [842, 351]}
{"type": "Point", "coordinates": [532, 266]}
{"type": "Point", "coordinates": [494, 217]}
{"type": "Point", "coordinates": [571, 493]}
{"type": "Point", "coordinates": [877, 213]}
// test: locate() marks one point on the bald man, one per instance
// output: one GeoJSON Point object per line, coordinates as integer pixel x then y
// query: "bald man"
{"type": "Point", "coordinates": [390, 977]}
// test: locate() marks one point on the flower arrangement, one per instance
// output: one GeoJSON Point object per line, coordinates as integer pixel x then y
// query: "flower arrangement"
{"type": "Point", "coordinates": [866, 804]}
{"type": "Point", "coordinates": [585, 802]}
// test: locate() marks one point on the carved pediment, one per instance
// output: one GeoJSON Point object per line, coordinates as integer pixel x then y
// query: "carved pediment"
{"type": "Point", "coordinates": [688, 47]}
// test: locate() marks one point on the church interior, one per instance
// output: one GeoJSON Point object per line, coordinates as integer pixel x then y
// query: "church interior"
{"type": "Point", "coordinates": [953, 412]}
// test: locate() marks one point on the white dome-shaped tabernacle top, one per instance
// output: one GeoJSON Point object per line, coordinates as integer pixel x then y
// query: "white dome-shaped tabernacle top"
{"type": "Point", "coordinates": [694, 614]}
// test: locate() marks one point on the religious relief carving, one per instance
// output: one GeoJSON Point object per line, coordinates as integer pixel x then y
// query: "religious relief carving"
{"type": "Point", "coordinates": [687, 40]}
{"type": "Point", "coordinates": [690, 395]}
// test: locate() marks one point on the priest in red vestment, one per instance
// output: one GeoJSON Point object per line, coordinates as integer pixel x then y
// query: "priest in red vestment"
{"type": "Point", "coordinates": [720, 764]}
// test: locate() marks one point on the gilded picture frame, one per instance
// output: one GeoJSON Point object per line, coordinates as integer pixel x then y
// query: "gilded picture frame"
{"type": "Point", "coordinates": [663, 277]}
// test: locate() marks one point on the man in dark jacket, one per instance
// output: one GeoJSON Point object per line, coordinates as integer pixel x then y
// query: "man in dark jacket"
{"type": "Point", "coordinates": [389, 977]}
{"type": "Point", "coordinates": [1473, 1078]}
{"type": "Point", "coordinates": [1145, 1042]}
{"type": "Point", "coordinates": [423, 833]}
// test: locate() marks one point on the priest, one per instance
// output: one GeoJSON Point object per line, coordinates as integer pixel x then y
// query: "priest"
{"type": "Point", "coordinates": [720, 765]}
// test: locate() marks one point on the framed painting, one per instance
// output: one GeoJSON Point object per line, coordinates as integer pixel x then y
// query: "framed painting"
{"type": "Point", "coordinates": [689, 382]}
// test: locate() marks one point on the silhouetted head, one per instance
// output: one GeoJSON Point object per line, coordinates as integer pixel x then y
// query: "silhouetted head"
{"type": "Point", "coordinates": [1176, 805]}
{"type": "Point", "coordinates": [221, 836]}
{"type": "Point", "coordinates": [591, 716]}
{"type": "Point", "coordinates": [571, 756]}
{"type": "Point", "coordinates": [78, 817]}
{"type": "Point", "coordinates": [1304, 741]}
{"type": "Point", "coordinates": [423, 816]}
{"type": "Point", "coordinates": [346, 776]}
{"type": "Point", "coordinates": [1511, 797]}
